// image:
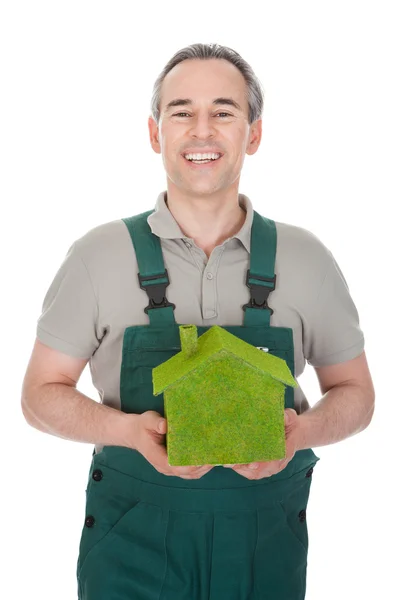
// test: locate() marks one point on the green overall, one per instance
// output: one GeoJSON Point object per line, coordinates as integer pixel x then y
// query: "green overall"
{"type": "Point", "coordinates": [149, 536]}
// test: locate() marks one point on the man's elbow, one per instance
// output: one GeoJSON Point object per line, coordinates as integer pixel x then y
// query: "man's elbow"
{"type": "Point", "coordinates": [368, 396]}
{"type": "Point", "coordinates": [29, 414]}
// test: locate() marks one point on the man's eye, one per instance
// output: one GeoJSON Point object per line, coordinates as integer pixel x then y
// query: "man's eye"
{"type": "Point", "coordinates": [185, 113]}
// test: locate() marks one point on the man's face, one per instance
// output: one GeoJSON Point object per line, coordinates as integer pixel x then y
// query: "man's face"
{"type": "Point", "coordinates": [200, 125]}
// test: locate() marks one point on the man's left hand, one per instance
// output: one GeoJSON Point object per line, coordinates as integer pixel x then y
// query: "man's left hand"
{"type": "Point", "coordinates": [259, 470]}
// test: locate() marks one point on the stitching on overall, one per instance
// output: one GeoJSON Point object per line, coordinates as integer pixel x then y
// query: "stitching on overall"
{"type": "Point", "coordinates": [254, 558]}
{"type": "Point", "coordinates": [165, 556]}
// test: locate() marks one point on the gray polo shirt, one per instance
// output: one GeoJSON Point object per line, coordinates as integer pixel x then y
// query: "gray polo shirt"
{"type": "Point", "coordinates": [95, 295]}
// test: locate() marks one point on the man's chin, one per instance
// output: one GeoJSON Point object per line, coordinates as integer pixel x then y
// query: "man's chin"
{"type": "Point", "coordinates": [201, 190]}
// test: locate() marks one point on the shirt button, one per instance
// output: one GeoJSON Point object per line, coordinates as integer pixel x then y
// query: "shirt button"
{"type": "Point", "coordinates": [89, 521]}
{"type": "Point", "coordinates": [210, 313]}
{"type": "Point", "coordinates": [210, 276]}
{"type": "Point", "coordinates": [97, 475]}
{"type": "Point", "coordinates": [188, 244]}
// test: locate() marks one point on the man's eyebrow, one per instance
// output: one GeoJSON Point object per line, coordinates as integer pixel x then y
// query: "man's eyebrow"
{"type": "Point", "coordinates": [187, 101]}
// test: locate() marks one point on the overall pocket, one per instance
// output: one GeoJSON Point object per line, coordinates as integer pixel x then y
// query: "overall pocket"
{"type": "Point", "coordinates": [126, 554]}
{"type": "Point", "coordinates": [104, 511]}
{"type": "Point", "coordinates": [294, 510]}
{"type": "Point", "coordinates": [136, 387]}
{"type": "Point", "coordinates": [280, 559]}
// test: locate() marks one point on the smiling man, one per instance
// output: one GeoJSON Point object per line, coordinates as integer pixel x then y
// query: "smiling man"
{"type": "Point", "coordinates": [203, 256]}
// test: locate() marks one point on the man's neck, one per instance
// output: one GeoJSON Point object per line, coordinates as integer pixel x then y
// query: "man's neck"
{"type": "Point", "coordinates": [208, 221]}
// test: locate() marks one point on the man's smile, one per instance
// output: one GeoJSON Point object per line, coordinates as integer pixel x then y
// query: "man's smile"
{"type": "Point", "coordinates": [196, 162]}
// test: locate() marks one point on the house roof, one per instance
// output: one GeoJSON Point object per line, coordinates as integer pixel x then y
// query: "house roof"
{"type": "Point", "coordinates": [216, 341]}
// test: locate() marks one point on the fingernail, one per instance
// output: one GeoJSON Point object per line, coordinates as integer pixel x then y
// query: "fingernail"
{"type": "Point", "coordinates": [253, 465]}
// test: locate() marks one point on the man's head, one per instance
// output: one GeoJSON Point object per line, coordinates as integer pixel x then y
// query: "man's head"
{"type": "Point", "coordinates": [207, 98]}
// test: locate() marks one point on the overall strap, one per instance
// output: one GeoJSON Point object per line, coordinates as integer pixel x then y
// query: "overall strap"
{"type": "Point", "coordinates": [261, 276]}
{"type": "Point", "coordinates": [153, 276]}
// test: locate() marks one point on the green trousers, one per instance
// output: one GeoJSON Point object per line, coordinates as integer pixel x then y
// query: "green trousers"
{"type": "Point", "coordinates": [149, 536]}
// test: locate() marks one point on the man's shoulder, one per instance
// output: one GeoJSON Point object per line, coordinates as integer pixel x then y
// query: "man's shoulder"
{"type": "Point", "coordinates": [105, 233]}
{"type": "Point", "coordinates": [105, 243]}
{"type": "Point", "coordinates": [301, 246]}
{"type": "Point", "coordinates": [295, 234]}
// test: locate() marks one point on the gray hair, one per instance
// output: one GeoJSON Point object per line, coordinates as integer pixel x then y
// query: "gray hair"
{"type": "Point", "coordinates": [255, 95]}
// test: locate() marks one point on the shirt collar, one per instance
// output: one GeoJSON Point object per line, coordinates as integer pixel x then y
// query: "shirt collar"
{"type": "Point", "coordinates": [163, 224]}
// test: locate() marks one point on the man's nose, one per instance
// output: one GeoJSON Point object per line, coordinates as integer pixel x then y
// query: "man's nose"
{"type": "Point", "coordinates": [203, 126]}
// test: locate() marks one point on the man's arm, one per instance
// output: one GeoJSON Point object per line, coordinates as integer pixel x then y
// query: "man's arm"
{"type": "Point", "coordinates": [51, 403]}
{"type": "Point", "coordinates": [346, 408]}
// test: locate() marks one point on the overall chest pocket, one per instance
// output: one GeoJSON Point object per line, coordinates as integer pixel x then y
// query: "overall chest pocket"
{"type": "Point", "coordinates": [139, 363]}
{"type": "Point", "coordinates": [136, 383]}
{"type": "Point", "coordinates": [146, 348]}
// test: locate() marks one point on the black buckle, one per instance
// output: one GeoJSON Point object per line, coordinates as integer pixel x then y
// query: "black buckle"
{"type": "Point", "coordinates": [156, 292]}
{"type": "Point", "coordinates": [259, 293]}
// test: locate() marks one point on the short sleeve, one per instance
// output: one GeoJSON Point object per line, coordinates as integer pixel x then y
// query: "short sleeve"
{"type": "Point", "coordinates": [332, 332]}
{"type": "Point", "coordinates": [68, 322]}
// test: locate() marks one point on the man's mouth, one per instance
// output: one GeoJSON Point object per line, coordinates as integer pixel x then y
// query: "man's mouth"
{"type": "Point", "coordinates": [202, 158]}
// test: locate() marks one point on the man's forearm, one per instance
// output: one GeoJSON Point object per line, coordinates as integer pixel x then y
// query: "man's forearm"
{"type": "Point", "coordinates": [342, 412]}
{"type": "Point", "coordinates": [63, 411]}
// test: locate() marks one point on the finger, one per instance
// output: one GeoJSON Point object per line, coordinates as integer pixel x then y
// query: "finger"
{"type": "Point", "coordinates": [244, 468]}
{"type": "Point", "coordinates": [192, 472]}
{"type": "Point", "coordinates": [271, 465]}
{"type": "Point", "coordinates": [188, 470]}
{"type": "Point", "coordinates": [201, 473]}
{"type": "Point", "coordinates": [290, 415]}
{"type": "Point", "coordinates": [193, 475]}
{"type": "Point", "coordinates": [255, 473]}
{"type": "Point", "coordinates": [162, 426]}
{"type": "Point", "coordinates": [159, 459]}
{"type": "Point", "coordinates": [247, 473]}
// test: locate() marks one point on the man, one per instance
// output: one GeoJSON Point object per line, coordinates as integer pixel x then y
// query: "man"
{"type": "Point", "coordinates": [204, 257]}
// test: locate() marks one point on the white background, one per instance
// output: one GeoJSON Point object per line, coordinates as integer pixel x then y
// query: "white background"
{"type": "Point", "coordinates": [76, 81]}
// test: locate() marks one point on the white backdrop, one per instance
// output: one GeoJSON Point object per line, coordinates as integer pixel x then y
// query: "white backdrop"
{"type": "Point", "coordinates": [76, 81]}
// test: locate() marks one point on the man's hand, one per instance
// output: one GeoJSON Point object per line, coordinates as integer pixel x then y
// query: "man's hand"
{"type": "Point", "coordinates": [266, 469]}
{"type": "Point", "coordinates": [150, 429]}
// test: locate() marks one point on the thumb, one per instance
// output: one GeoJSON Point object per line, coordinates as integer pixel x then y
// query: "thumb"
{"type": "Point", "coordinates": [290, 415]}
{"type": "Point", "coordinates": [161, 425]}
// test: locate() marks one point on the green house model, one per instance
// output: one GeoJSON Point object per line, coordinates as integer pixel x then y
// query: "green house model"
{"type": "Point", "coordinates": [223, 400]}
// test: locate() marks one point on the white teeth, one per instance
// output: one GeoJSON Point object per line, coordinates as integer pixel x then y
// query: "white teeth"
{"type": "Point", "coordinates": [204, 156]}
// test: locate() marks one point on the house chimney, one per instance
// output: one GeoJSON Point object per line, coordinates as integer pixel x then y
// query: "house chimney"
{"type": "Point", "coordinates": [188, 335]}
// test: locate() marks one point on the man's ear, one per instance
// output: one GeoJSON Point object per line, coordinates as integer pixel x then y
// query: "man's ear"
{"type": "Point", "coordinates": [154, 137]}
{"type": "Point", "coordinates": [254, 137]}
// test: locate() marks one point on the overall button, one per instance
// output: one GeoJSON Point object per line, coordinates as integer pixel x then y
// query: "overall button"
{"type": "Point", "coordinates": [302, 515]}
{"type": "Point", "coordinates": [310, 472]}
{"type": "Point", "coordinates": [97, 475]}
{"type": "Point", "coordinates": [89, 521]}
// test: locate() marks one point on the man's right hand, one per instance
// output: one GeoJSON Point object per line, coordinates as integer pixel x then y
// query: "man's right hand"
{"type": "Point", "coordinates": [149, 439]}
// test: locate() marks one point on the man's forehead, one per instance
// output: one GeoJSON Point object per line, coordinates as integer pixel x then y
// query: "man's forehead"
{"type": "Point", "coordinates": [198, 81]}
{"type": "Point", "coordinates": [208, 67]}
